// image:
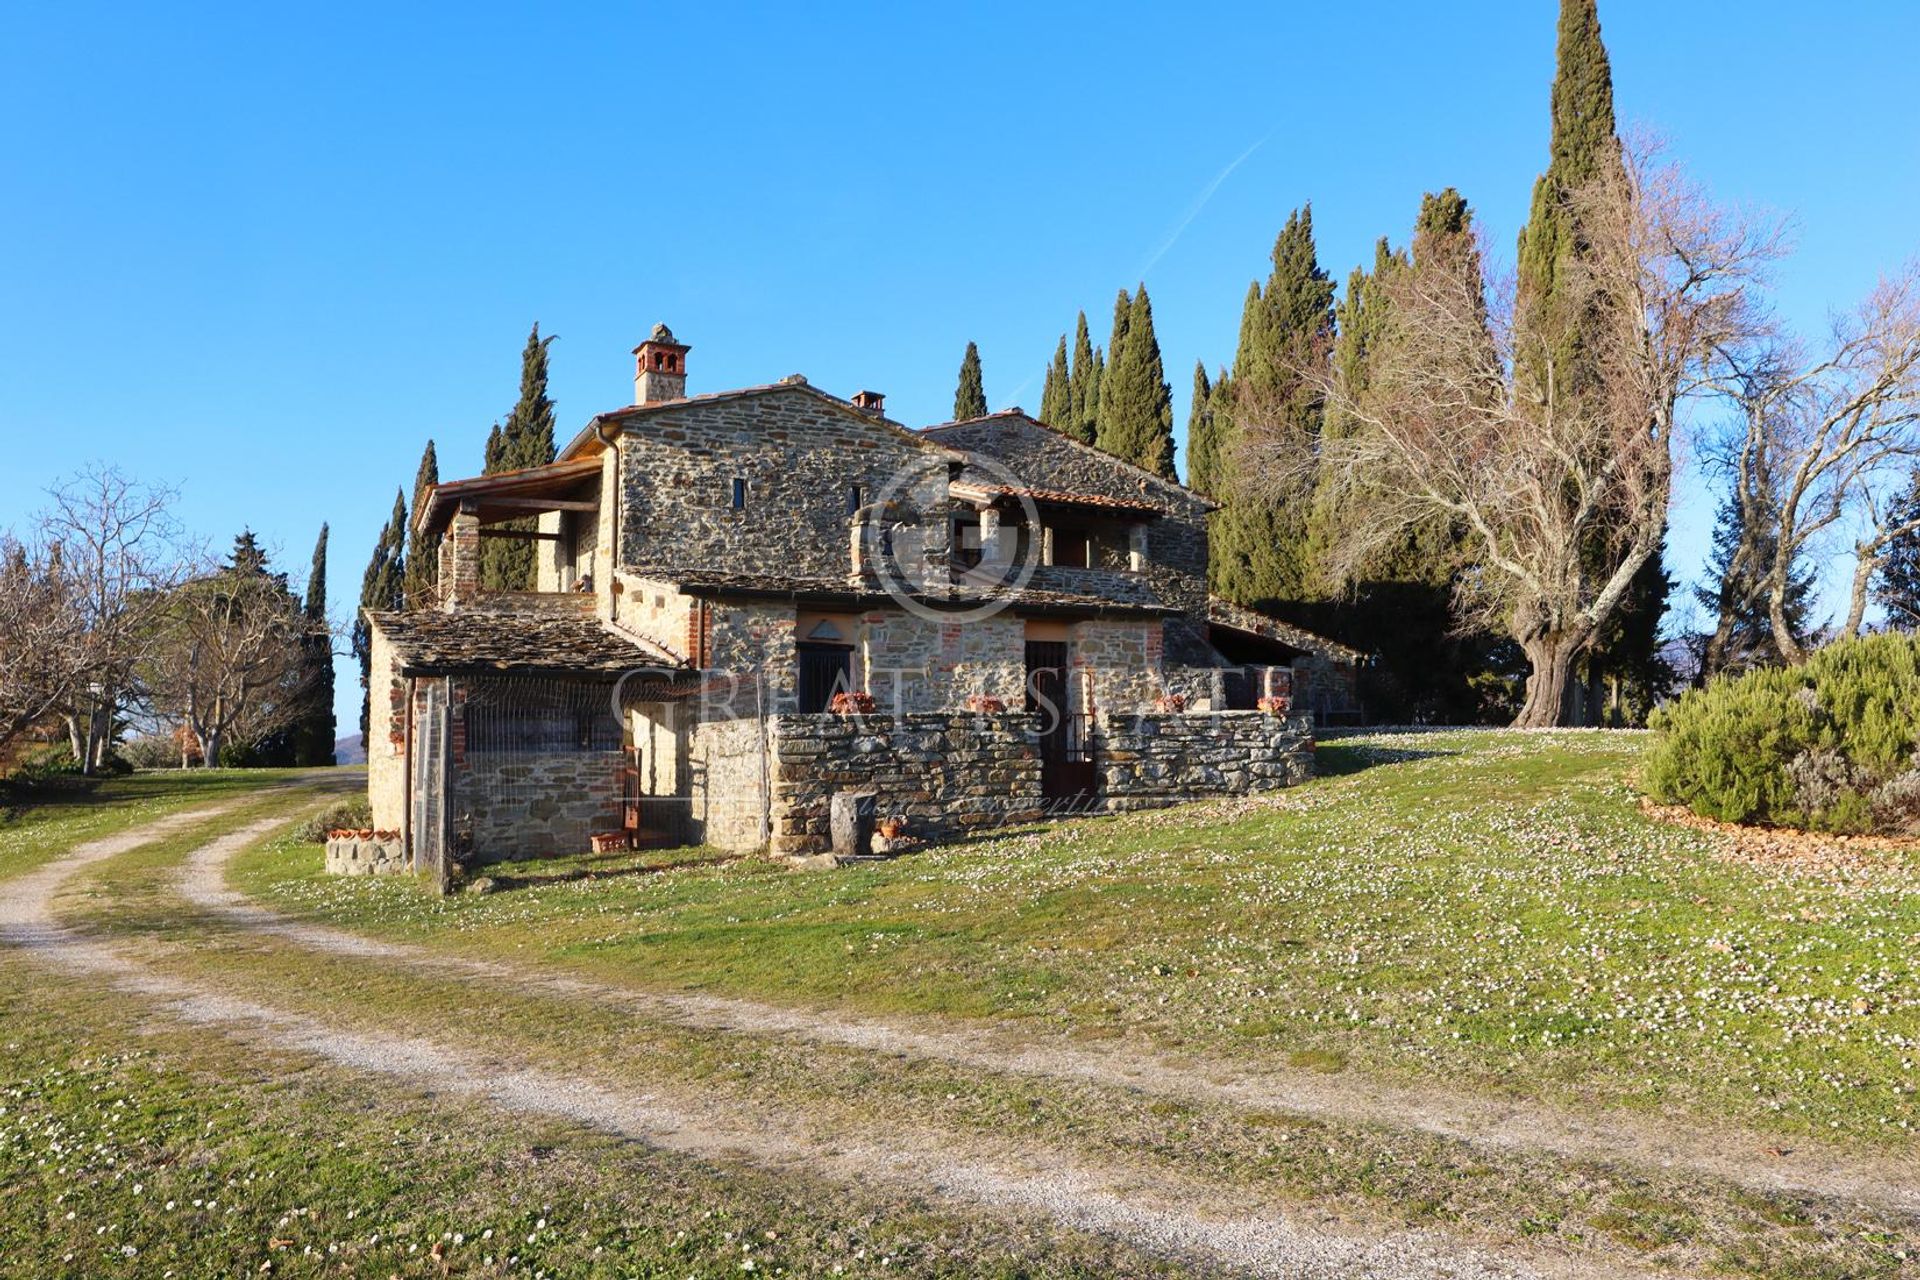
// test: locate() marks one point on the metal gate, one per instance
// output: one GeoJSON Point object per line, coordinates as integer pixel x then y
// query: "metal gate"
{"type": "Point", "coordinates": [1067, 772]}
{"type": "Point", "coordinates": [430, 729]}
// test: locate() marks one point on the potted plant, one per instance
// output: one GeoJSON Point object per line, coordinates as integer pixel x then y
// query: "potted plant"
{"type": "Point", "coordinates": [1276, 704]}
{"type": "Point", "coordinates": [851, 704]}
{"type": "Point", "coordinates": [893, 827]}
{"type": "Point", "coordinates": [1170, 703]}
{"type": "Point", "coordinates": [986, 704]}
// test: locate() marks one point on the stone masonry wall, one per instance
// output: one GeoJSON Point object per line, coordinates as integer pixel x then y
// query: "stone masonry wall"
{"type": "Point", "coordinates": [530, 804]}
{"type": "Point", "coordinates": [386, 736]}
{"type": "Point", "coordinates": [1156, 759]}
{"type": "Point", "coordinates": [727, 782]}
{"type": "Point", "coordinates": [799, 455]}
{"type": "Point", "coordinates": [953, 774]}
{"type": "Point", "coordinates": [947, 774]}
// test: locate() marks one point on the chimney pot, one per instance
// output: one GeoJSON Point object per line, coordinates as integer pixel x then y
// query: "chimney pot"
{"type": "Point", "coordinates": [872, 402]}
{"type": "Point", "coordinates": [660, 368]}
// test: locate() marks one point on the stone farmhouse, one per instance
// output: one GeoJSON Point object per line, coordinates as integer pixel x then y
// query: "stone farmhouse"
{"type": "Point", "coordinates": [752, 601]}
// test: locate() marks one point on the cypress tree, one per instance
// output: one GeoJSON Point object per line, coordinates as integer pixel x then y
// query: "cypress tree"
{"type": "Point", "coordinates": [1083, 386]}
{"type": "Point", "coordinates": [1056, 396]}
{"type": "Point", "coordinates": [382, 589]}
{"type": "Point", "coordinates": [507, 564]}
{"type": "Point", "coordinates": [1136, 404]}
{"type": "Point", "coordinates": [423, 554]}
{"type": "Point", "coordinates": [1261, 555]}
{"type": "Point", "coordinates": [1583, 149]}
{"type": "Point", "coordinates": [970, 396]}
{"type": "Point", "coordinates": [313, 738]}
{"type": "Point", "coordinates": [1204, 464]}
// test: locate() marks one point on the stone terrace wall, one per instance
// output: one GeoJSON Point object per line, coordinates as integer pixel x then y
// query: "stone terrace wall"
{"type": "Point", "coordinates": [1156, 759]}
{"type": "Point", "coordinates": [528, 804]}
{"type": "Point", "coordinates": [948, 774]}
{"type": "Point", "coordinates": [951, 774]}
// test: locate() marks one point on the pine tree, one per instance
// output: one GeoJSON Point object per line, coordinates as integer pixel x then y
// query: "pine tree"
{"type": "Point", "coordinates": [1083, 386]}
{"type": "Point", "coordinates": [1553, 345]}
{"type": "Point", "coordinates": [1204, 464]}
{"type": "Point", "coordinates": [1261, 555]}
{"type": "Point", "coordinates": [382, 589]}
{"type": "Point", "coordinates": [1896, 586]}
{"type": "Point", "coordinates": [1136, 404]}
{"type": "Point", "coordinates": [1734, 595]}
{"type": "Point", "coordinates": [423, 553]}
{"type": "Point", "coordinates": [1056, 396]}
{"type": "Point", "coordinates": [970, 396]}
{"type": "Point", "coordinates": [507, 564]}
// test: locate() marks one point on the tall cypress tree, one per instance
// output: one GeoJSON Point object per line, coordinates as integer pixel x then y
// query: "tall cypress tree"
{"type": "Point", "coordinates": [423, 553]}
{"type": "Point", "coordinates": [1083, 386]}
{"type": "Point", "coordinates": [1204, 464]}
{"type": "Point", "coordinates": [1624, 666]}
{"type": "Point", "coordinates": [1261, 555]}
{"type": "Point", "coordinates": [382, 589]}
{"type": "Point", "coordinates": [313, 739]}
{"type": "Point", "coordinates": [1056, 396]}
{"type": "Point", "coordinates": [970, 395]}
{"type": "Point", "coordinates": [1136, 404]}
{"type": "Point", "coordinates": [507, 564]}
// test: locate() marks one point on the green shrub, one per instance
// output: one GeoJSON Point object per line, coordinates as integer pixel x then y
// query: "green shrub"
{"type": "Point", "coordinates": [354, 815]}
{"type": "Point", "coordinates": [1830, 745]}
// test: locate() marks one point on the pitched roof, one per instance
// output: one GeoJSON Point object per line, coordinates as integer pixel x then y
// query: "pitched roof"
{"type": "Point", "coordinates": [590, 434]}
{"type": "Point", "coordinates": [1225, 613]}
{"type": "Point", "coordinates": [508, 488]}
{"type": "Point", "coordinates": [1017, 414]}
{"type": "Point", "coordinates": [869, 593]}
{"type": "Point", "coordinates": [467, 641]}
{"type": "Point", "coordinates": [1058, 497]}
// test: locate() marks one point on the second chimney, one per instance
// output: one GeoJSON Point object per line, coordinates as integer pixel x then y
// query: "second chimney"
{"type": "Point", "coordinates": [870, 402]}
{"type": "Point", "coordinates": [660, 368]}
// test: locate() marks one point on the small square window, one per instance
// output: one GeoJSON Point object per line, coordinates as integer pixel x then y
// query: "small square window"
{"type": "Point", "coordinates": [739, 494]}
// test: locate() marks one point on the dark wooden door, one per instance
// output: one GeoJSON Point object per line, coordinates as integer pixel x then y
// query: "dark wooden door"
{"type": "Point", "coordinates": [1066, 757]}
{"type": "Point", "coordinates": [825, 669]}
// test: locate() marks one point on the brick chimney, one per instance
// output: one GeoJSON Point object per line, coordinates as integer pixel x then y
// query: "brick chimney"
{"type": "Point", "coordinates": [460, 560]}
{"type": "Point", "coordinates": [660, 368]}
{"type": "Point", "coordinates": [870, 402]}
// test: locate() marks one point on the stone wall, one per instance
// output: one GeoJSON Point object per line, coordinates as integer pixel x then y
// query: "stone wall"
{"type": "Point", "coordinates": [727, 782]}
{"type": "Point", "coordinates": [947, 774]}
{"type": "Point", "coordinates": [354, 857]}
{"type": "Point", "coordinates": [527, 804]}
{"type": "Point", "coordinates": [799, 454]}
{"type": "Point", "coordinates": [386, 743]}
{"type": "Point", "coordinates": [1156, 759]}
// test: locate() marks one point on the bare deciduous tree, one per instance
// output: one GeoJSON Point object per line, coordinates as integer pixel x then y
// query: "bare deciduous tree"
{"type": "Point", "coordinates": [121, 554]}
{"type": "Point", "coordinates": [43, 637]}
{"type": "Point", "coordinates": [227, 659]}
{"type": "Point", "coordinates": [1833, 435]}
{"type": "Point", "coordinates": [1539, 477]}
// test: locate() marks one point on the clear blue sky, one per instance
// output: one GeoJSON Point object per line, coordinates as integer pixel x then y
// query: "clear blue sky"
{"type": "Point", "coordinates": [265, 251]}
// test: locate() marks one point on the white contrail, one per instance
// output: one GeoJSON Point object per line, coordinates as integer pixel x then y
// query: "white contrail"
{"type": "Point", "coordinates": [1186, 220]}
{"type": "Point", "coordinates": [1199, 203]}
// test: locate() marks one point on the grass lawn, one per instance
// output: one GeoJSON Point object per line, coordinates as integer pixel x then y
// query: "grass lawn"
{"type": "Point", "coordinates": [131, 1145]}
{"type": "Point", "coordinates": [1491, 908]}
{"type": "Point", "coordinates": [39, 825]}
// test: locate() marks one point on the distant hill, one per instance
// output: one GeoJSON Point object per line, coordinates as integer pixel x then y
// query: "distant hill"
{"type": "Point", "coordinates": [349, 750]}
